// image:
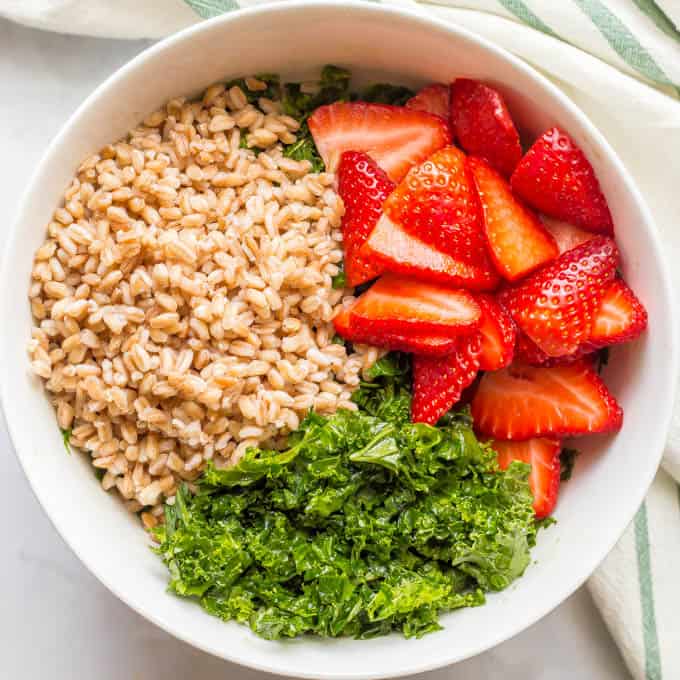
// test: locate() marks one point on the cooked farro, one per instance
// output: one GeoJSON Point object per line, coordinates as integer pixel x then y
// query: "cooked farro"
{"type": "Point", "coordinates": [182, 299]}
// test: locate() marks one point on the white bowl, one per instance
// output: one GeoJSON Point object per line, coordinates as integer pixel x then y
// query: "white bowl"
{"type": "Point", "coordinates": [296, 39]}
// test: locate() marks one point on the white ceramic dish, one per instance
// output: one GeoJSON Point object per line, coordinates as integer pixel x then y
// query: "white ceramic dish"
{"type": "Point", "coordinates": [295, 39]}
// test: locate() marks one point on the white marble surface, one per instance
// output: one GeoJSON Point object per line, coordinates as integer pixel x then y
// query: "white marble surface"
{"type": "Point", "coordinates": [56, 621]}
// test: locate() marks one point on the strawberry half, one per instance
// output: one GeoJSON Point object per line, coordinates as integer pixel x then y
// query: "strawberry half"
{"type": "Point", "coordinates": [391, 246]}
{"type": "Point", "coordinates": [433, 99]}
{"type": "Point", "coordinates": [394, 137]}
{"type": "Point", "coordinates": [397, 304]}
{"type": "Point", "coordinates": [418, 343]}
{"type": "Point", "coordinates": [498, 334]}
{"type": "Point", "coordinates": [528, 352]}
{"type": "Point", "coordinates": [363, 187]}
{"type": "Point", "coordinates": [555, 177]}
{"type": "Point", "coordinates": [439, 383]}
{"type": "Point", "coordinates": [567, 236]}
{"type": "Point", "coordinates": [482, 123]}
{"type": "Point", "coordinates": [543, 454]}
{"type": "Point", "coordinates": [517, 240]}
{"type": "Point", "coordinates": [620, 316]}
{"type": "Point", "coordinates": [437, 203]}
{"type": "Point", "coordinates": [521, 402]}
{"type": "Point", "coordinates": [555, 306]}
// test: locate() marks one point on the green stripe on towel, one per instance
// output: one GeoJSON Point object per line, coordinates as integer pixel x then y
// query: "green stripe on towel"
{"type": "Point", "coordinates": [622, 41]}
{"type": "Point", "coordinates": [649, 633]}
{"type": "Point", "coordinates": [524, 13]}
{"type": "Point", "coordinates": [207, 9]}
{"type": "Point", "coordinates": [657, 15]}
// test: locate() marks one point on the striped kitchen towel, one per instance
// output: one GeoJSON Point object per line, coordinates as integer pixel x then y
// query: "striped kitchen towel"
{"type": "Point", "coordinates": [620, 61]}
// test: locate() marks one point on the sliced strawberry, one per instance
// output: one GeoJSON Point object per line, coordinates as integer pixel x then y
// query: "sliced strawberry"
{"type": "Point", "coordinates": [398, 251]}
{"type": "Point", "coordinates": [521, 402]}
{"type": "Point", "coordinates": [417, 343]}
{"type": "Point", "coordinates": [555, 177]}
{"type": "Point", "coordinates": [363, 187]}
{"type": "Point", "coordinates": [567, 236]}
{"type": "Point", "coordinates": [498, 334]}
{"type": "Point", "coordinates": [394, 137]}
{"type": "Point", "coordinates": [433, 99]}
{"type": "Point", "coordinates": [528, 352]}
{"type": "Point", "coordinates": [620, 316]}
{"type": "Point", "coordinates": [437, 203]}
{"type": "Point", "coordinates": [517, 240]}
{"type": "Point", "coordinates": [439, 383]}
{"type": "Point", "coordinates": [543, 454]}
{"type": "Point", "coordinates": [481, 122]}
{"type": "Point", "coordinates": [555, 306]}
{"type": "Point", "coordinates": [401, 305]}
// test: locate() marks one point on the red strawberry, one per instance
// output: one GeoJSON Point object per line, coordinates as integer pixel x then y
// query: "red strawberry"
{"type": "Point", "coordinates": [555, 306]}
{"type": "Point", "coordinates": [556, 178]}
{"type": "Point", "coordinates": [566, 235]}
{"type": "Point", "coordinates": [518, 242]}
{"type": "Point", "coordinates": [363, 187]}
{"type": "Point", "coordinates": [433, 99]}
{"type": "Point", "coordinates": [543, 454]}
{"type": "Point", "coordinates": [521, 402]}
{"type": "Point", "coordinates": [526, 351]}
{"type": "Point", "coordinates": [398, 251]}
{"type": "Point", "coordinates": [620, 317]}
{"type": "Point", "coordinates": [481, 122]}
{"type": "Point", "coordinates": [394, 137]}
{"type": "Point", "coordinates": [397, 304]}
{"type": "Point", "coordinates": [418, 343]}
{"type": "Point", "coordinates": [498, 334]}
{"type": "Point", "coordinates": [437, 203]}
{"type": "Point", "coordinates": [439, 383]}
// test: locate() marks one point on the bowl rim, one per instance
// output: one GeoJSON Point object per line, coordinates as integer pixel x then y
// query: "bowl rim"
{"type": "Point", "coordinates": [427, 21]}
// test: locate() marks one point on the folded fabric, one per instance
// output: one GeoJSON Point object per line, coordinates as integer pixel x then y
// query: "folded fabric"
{"type": "Point", "coordinates": [619, 60]}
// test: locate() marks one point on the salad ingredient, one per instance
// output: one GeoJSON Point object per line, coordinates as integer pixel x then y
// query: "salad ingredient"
{"type": "Point", "coordinates": [365, 525]}
{"type": "Point", "coordinates": [567, 461]}
{"type": "Point", "coordinates": [543, 454]}
{"type": "Point", "coordinates": [620, 316]}
{"type": "Point", "coordinates": [567, 236]}
{"type": "Point", "coordinates": [528, 352]}
{"type": "Point", "coordinates": [363, 187]}
{"type": "Point", "coordinates": [401, 305]}
{"type": "Point", "coordinates": [400, 252]}
{"type": "Point", "coordinates": [439, 383]}
{"type": "Point", "coordinates": [482, 123]}
{"type": "Point", "coordinates": [498, 334]}
{"type": "Point", "coordinates": [555, 306]}
{"type": "Point", "coordinates": [521, 402]}
{"type": "Point", "coordinates": [433, 99]}
{"type": "Point", "coordinates": [555, 177]}
{"type": "Point", "coordinates": [437, 203]}
{"type": "Point", "coordinates": [395, 137]}
{"type": "Point", "coordinates": [517, 240]}
{"type": "Point", "coordinates": [416, 342]}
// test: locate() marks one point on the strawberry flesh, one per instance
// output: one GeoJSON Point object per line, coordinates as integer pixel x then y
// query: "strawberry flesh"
{"type": "Point", "coordinates": [528, 352]}
{"type": "Point", "coordinates": [555, 177]}
{"type": "Point", "coordinates": [543, 454]}
{"type": "Point", "coordinates": [518, 242]}
{"type": "Point", "coordinates": [521, 402]}
{"type": "Point", "coordinates": [363, 187]}
{"type": "Point", "coordinates": [567, 236]}
{"type": "Point", "coordinates": [556, 305]}
{"type": "Point", "coordinates": [397, 304]}
{"type": "Point", "coordinates": [437, 204]}
{"type": "Point", "coordinates": [433, 99]}
{"type": "Point", "coordinates": [439, 383]}
{"type": "Point", "coordinates": [498, 334]}
{"type": "Point", "coordinates": [482, 123]}
{"type": "Point", "coordinates": [418, 343]}
{"type": "Point", "coordinates": [395, 137]}
{"type": "Point", "coordinates": [620, 317]}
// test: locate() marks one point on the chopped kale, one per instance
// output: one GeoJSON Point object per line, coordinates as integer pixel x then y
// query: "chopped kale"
{"type": "Point", "coordinates": [567, 462]}
{"type": "Point", "coordinates": [339, 281]}
{"type": "Point", "coordinates": [385, 93]}
{"type": "Point", "coordinates": [66, 437]}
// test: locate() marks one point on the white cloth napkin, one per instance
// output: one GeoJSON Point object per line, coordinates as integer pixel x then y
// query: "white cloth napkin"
{"type": "Point", "coordinates": [620, 61]}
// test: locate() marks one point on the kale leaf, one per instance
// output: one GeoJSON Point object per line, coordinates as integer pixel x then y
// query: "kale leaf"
{"type": "Point", "coordinates": [367, 523]}
{"type": "Point", "coordinates": [385, 93]}
{"type": "Point", "coordinates": [567, 462]}
{"type": "Point", "coordinates": [66, 437]}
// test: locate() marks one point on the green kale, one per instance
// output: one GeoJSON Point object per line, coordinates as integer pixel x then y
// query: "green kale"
{"type": "Point", "coordinates": [272, 91]}
{"type": "Point", "coordinates": [66, 437]}
{"type": "Point", "coordinates": [367, 523]}
{"type": "Point", "coordinates": [567, 462]}
{"type": "Point", "coordinates": [339, 281]}
{"type": "Point", "coordinates": [385, 93]}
